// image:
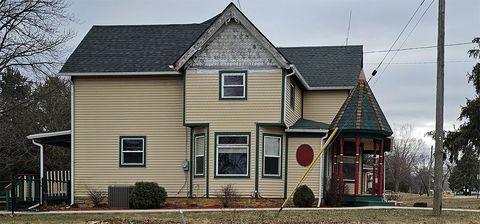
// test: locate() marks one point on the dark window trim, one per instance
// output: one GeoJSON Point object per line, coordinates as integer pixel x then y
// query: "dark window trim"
{"type": "Point", "coordinates": [220, 85]}
{"type": "Point", "coordinates": [120, 157]}
{"type": "Point", "coordinates": [217, 134]}
{"type": "Point", "coordinates": [195, 154]}
{"type": "Point", "coordinates": [263, 156]}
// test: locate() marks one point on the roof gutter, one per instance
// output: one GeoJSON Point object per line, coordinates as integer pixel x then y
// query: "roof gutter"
{"type": "Point", "coordinates": [49, 134]}
{"type": "Point", "coordinates": [285, 95]}
{"type": "Point", "coordinates": [306, 130]}
{"type": "Point", "coordinates": [117, 73]}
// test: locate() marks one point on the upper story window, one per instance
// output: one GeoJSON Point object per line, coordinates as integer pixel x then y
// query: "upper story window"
{"type": "Point", "coordinates": [233, 85]}
{"type": "Point", "coordinates": [132, 151]}
{"type": "Point", "coordinates": [292, 96]}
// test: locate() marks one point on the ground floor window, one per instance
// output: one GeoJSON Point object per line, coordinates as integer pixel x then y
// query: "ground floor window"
{"type": "Point", "coordinates": [272, 155]}
{"type": "Point", "coordinates": [132, 151]}
{"type": "Point", "coordinates": [199, 155]}
{"type": "Point", "coordinates": [232, 154]}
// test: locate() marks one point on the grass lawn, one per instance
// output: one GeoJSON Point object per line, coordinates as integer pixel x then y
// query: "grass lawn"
{"type": "Point", "coordinates": [470, 202]}
{"type": "Point", "coordinates": [322, 216]}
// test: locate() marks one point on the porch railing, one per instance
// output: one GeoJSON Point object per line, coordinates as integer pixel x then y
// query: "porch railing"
{"type": "Point", "coordinates": [24, 190]}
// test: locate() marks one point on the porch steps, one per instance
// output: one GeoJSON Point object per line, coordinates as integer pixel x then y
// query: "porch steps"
{"type": "Point", "coordinates": [367, 200]}
{"type": "Point", "coordinates": [372, 203]}
{"type": "Point", "coordinates": [353, 198]}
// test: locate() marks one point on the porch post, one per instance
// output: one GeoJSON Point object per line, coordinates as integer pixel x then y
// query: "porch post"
{"type": "Point", "coordinates": [40, 183]}
{"type": "Point", "coordinates": [357, 165]}
{"type": "Point", "coordinates": [341, 161]}
{"type": "Point", "coordinates": [380, 178]}
{"type": "Point", "coordinates": [374, 168]}
{"type": "Point", "coordinates": [334, 175]}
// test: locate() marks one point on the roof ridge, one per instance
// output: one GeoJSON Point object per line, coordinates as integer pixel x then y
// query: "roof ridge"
{"type": "Point", "coordinates": [144, 25]}
{"type": "Point", "coordinates": [324, 46]}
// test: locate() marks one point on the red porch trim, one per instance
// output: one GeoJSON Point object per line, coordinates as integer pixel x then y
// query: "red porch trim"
{"type": "Point", "coordinates": [334, 176]}
{"type": "Point", "coordinates": [357, 165]}
{"type": "Point", "coordinates": [380, 178]}
{"type": "Point", "coordinates": [374, 192]}
{"type": "Point", "coordinates": [341, 161]}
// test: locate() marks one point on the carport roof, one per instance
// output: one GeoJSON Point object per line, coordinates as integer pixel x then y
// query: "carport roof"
{"type": "Point", "coordinates": [59, 138]}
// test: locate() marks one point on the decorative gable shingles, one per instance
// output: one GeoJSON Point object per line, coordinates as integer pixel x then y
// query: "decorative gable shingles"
{"type": "Point", "coordinates": [232, 47]}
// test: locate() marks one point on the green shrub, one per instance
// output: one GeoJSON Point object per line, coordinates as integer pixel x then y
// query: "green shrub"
{"type": "Point", "coordinates": [147, 195]}
{"type": "Point", "coordinates": [303, 197]}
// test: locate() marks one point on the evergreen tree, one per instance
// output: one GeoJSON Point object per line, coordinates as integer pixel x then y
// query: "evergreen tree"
{"type": "Point", "coordinates": [467, 136]}
{"type": "Point", "coordinates": [465, 173]}
{"type": "Point", "coordinates": [28, 108]}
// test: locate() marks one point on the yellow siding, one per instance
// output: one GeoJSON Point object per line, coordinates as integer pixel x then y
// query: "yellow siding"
{"type": "Point", "coordinates": [203, 106]}
{"type": "Point", "coordinates": [293, 114]}
{"type": "Point", "coordinates": [323, 105]}
{"type": "Point", "coordinates": [109, 107]}
{"type": "Point", "coordinates": [272, 187]}
{"type": "Point", "coordinates": [295, 171]}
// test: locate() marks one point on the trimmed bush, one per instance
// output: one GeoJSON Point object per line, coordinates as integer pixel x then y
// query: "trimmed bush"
{"type": "Point", "coordinates": [303, 197]}
{"type": "Point", "coordinates": [147, 195]}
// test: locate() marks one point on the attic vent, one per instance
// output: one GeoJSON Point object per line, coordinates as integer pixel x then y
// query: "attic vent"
{"type": "Point", "coordinates": [119, 196]}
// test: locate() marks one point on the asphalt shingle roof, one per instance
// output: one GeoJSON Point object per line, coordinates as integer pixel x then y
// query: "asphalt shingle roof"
{"type": "Point", "coordinates": [309, 124]}
{"type": "Point", "coordinates": [361, 113]}
{"type": "Point", "coordinates": [328, 66]}
{"type": "Point", "coordinates": [152, 48]}
{"type": "Point", "coordinates": [132, 48]}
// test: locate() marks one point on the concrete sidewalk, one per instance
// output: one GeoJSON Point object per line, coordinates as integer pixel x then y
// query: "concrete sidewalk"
{"type": "Point", "coordinates": [223, 209]}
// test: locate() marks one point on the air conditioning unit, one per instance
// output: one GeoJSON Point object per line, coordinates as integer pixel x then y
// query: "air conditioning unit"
{"type": "Point", "coordinates": [119, 196]}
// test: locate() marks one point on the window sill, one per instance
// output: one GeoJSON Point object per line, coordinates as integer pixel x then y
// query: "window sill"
{"type": "Point", "coordinates": [231, 177]}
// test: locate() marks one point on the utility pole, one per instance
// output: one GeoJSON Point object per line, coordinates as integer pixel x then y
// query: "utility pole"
{"type": "Point", "coordinates": [438, 188]}
{"type": "Point", "coordinates": [430, 163]}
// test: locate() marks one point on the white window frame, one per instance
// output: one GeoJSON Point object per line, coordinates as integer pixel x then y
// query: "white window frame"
{"type": "Point", "coordinates": [275, 156]}
{"type": "Point", "coordinates": [243, 74]}
{"type": "Point", "coordinates": [239, 146]}
{"type": "Point", "coordinates": [122, 139]}
{"type": "Point", "coordinates": [196, 156]}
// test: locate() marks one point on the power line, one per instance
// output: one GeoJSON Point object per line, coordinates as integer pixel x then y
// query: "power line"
{"type": "Point", "coordinates": [424, 62]}
{"type": "Point", "coordinates": [416, 48]}
{"type": "Point", "coordinates": [398, 37]}
{"type": "Point", "coordinates": [404, 41]}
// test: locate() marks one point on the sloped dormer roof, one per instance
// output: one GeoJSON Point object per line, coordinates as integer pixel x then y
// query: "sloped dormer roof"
{"type": "Point", "coordinates": [360, 113]}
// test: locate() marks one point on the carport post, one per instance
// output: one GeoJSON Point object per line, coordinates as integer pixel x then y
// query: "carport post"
{"type": "Point", "coordinates": [41, 170]}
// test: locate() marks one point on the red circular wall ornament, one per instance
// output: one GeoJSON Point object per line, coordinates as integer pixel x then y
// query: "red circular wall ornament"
{"type": "Point", "coordinates": [304, 155]}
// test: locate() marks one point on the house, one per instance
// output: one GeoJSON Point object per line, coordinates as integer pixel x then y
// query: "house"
{"type": "Point", "coordinates": [195, 107]}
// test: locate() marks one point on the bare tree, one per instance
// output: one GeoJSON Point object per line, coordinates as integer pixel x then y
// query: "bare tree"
{"type": "Point", "coordinates": [32, 35]}
{"type": "Point", "coordinates": [401, 160]}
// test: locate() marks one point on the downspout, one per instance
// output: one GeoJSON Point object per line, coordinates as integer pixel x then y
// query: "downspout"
{"type": "Point", "coordinates": [285, 94]}
{"type": "Point", "coordinates": [322, 160]}
{"type": "Point", "coordinates": [72, 142]}
{"type": "Point", "coordinates": [41, 169]}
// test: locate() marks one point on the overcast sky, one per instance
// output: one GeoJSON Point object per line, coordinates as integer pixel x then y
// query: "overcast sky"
{"type": "Point", "coordinates": [405, 91]}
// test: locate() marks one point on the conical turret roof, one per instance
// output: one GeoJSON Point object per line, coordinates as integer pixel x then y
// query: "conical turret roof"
{"type": "Point", "coordinates": [360, 113]}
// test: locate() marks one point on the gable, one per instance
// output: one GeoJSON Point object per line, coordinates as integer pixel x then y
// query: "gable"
{"type": "Point", "coordinates": [233, 46]}
{"type": "Point", "coordinates": [229, 15]}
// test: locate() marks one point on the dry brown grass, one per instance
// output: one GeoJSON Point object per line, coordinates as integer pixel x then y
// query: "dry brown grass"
{"type": "Point", "coordinates": [470, 202]}
{"type": "Point", "coordinates": [318, 216]}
